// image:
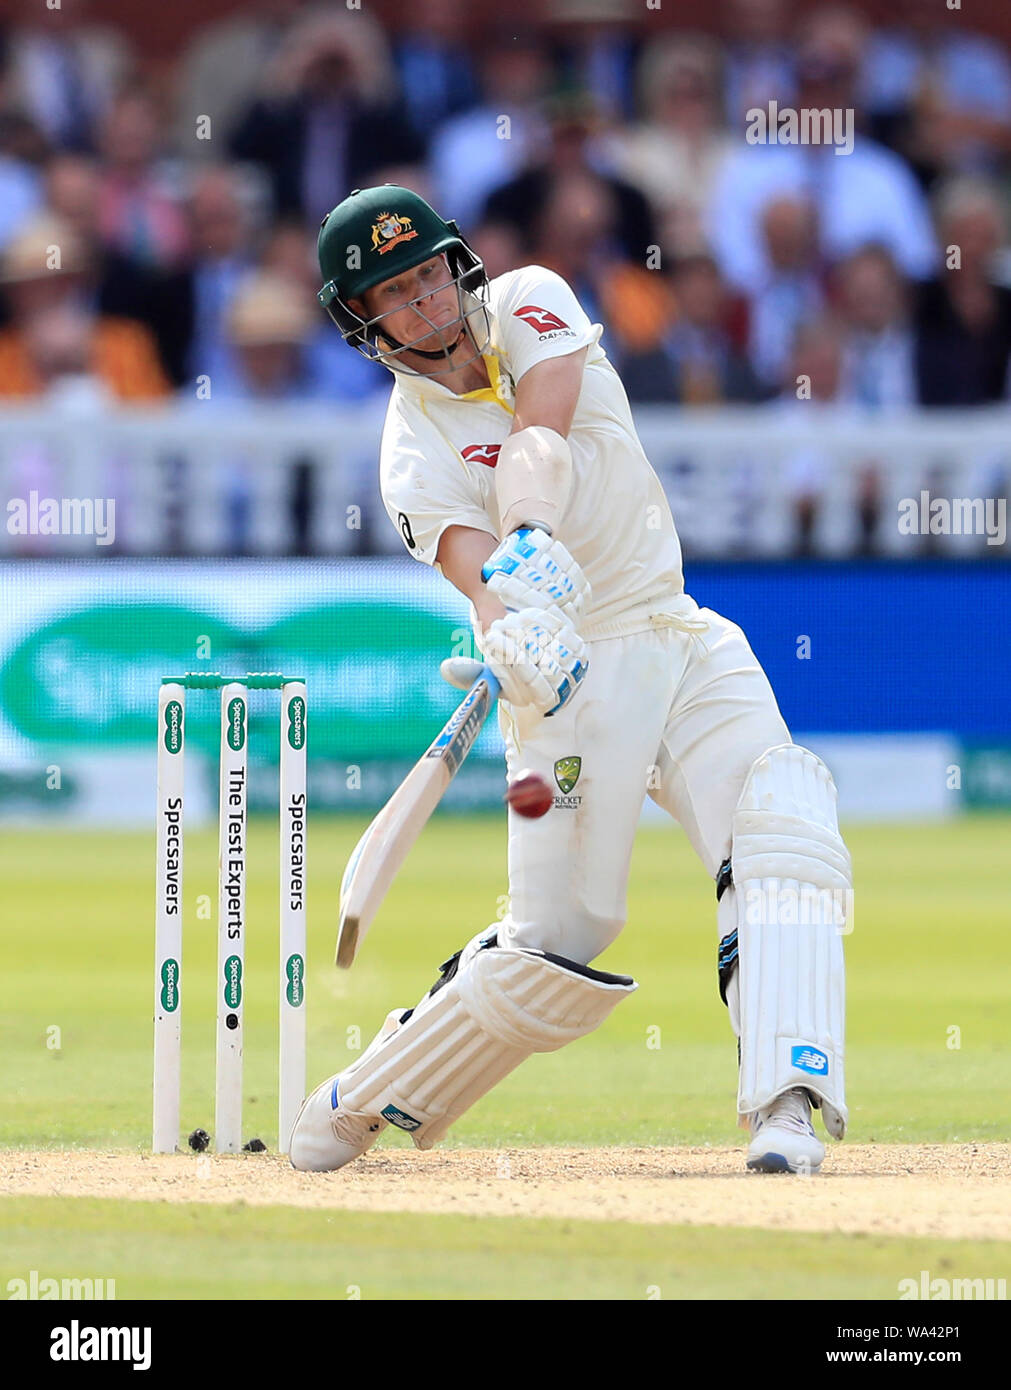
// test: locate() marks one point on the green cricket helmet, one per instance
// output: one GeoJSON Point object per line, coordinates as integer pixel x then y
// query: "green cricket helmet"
{"type": "Point", "coordinates": [378, 233]}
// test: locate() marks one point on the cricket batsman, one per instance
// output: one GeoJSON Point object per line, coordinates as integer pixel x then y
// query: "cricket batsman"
{"type": "Point", "coordinates": [510, 461]}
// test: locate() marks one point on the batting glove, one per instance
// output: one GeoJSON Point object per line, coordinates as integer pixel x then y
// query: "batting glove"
{"type": "Point", "coordinates": [530, 569]}
{"type": "Point", "coordinates": [538, 657]}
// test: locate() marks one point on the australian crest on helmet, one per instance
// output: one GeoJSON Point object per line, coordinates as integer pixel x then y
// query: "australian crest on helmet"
{"type": "Point", "coordinates": [389, 230]}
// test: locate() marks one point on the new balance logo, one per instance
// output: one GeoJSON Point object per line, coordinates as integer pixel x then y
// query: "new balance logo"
{"type": "Point", "coordinates": [398, 1118]}
{"type": "Point", "coordinates": [809, 1059]}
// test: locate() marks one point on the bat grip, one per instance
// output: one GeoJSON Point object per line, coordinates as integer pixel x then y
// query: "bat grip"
{"type": "Point", "coordinates": [493, 685]}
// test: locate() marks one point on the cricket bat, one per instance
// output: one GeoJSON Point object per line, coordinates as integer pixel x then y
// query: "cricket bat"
{"type": "Point", "coordinates": [386, 843]}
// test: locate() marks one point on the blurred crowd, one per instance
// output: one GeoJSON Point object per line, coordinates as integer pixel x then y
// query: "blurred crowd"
{"type": "Point", "coordinates": [184, 210]}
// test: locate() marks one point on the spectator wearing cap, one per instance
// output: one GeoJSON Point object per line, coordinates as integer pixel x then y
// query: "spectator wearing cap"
{"type": "Point", "coordinates": [963, 316]}
{"type": "Point", "coordinates": [866, 196]}
{"type": "Point", "coordinates": [878, 366]}
{"type": "Point", "coordinates": [268, 325]}
{"type": "Point", "coordinates": [330, 116]}
{"type": "Point", "coordinates": [696, 361]}
{"type": "Point", "coordinates": [475, 152]}
{"type": "Point", "coordinates": [118, 353]}
{"type": "Point", "coordinates": [676, 153]}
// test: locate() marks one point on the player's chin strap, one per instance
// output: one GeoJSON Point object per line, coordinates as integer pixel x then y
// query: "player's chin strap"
{"type": "Point", "coordinates": [492, 1007]}
{"type": "Point", "coordinates": [417, 352]}
{"type": "Point", "coordinates": [781, 967]}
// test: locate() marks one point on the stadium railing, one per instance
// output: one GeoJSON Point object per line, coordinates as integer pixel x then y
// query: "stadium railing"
{"type": "Point", "coordinates": [765, 483]}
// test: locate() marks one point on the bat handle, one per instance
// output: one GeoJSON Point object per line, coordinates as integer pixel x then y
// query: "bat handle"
{"type": "Point", "coordinates": [493, 686]}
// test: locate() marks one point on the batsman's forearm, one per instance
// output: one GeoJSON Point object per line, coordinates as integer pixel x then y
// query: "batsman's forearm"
{"type": "Point", "coordinates": [488, 609]}
{"type": "Point", "coordinates": [462, 552]}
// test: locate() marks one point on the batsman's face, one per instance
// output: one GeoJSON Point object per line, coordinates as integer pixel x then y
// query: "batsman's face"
{"type": "Point", "coordinates": [412, 306]}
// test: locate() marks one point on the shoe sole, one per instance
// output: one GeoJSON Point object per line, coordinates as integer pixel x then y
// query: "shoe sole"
{"type": "Point", "coordinates": [778, 1163]}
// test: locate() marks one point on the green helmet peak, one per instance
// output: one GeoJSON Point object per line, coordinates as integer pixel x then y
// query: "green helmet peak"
{"type": "Point", "coordinates": [376, 234]}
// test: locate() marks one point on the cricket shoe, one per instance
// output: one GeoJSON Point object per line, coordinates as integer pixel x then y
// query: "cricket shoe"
{"type": "Point", "coordinates": [783, 1138]}
{"type": "Point", "coordinates": [325, 1137]}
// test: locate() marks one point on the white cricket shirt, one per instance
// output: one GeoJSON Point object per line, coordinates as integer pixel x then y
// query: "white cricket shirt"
{"type": "Point", "coordinates": [439, 450]}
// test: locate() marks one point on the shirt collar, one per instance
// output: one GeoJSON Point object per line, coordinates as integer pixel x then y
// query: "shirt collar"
{"type": "Point", "coordinates": [415, 384]}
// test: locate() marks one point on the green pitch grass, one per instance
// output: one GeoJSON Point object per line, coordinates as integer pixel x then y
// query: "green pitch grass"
{"type": "Point", "coordinates": [195, 1251]}
{"type": "Point", "coordinates": [929, 1044]}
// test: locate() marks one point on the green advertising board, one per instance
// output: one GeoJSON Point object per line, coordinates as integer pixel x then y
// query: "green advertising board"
{"type": "Point", "coordinates": [84, 646]}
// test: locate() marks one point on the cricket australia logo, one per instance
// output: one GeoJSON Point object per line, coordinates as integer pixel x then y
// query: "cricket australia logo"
{"type": "Point", "coordinates": [567, 775]}
{"type": "Point", "coordinates": [389, 230]}
{"type": "Point", "coordinates": [543, 322]}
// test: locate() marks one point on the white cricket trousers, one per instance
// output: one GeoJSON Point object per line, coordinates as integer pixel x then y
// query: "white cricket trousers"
{"type": "Point", "coordinates": [677, 712]}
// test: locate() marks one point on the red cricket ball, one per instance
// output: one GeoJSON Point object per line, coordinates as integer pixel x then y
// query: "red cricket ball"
{"type": "Point", "coordinates": [530, 795]}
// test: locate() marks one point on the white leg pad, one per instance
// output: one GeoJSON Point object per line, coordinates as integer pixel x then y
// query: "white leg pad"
{"type": "Point", "coordinates": [791, 872]}
{"type": "Point", "coordinates": [501, 1006]}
